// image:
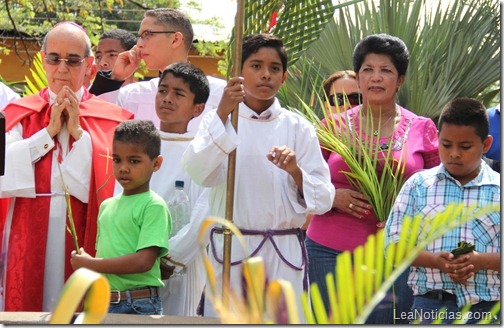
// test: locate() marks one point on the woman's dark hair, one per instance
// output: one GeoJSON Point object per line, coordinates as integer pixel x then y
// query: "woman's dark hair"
{"type": "Point", "coordinates": [466, 112]}
{"type": "Point", "coordinates": [142, 133]}
{"type": "Point", "coordinates": [252, 43]}
{"type": "Point", "coordinates": [382, 44]}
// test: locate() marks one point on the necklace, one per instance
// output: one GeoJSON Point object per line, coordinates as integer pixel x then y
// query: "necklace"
{"type": "Point", "coordinates": [375, 132]}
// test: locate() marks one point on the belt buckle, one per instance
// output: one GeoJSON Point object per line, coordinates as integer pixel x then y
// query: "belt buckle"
{"type": "Point", "coordinates": [118, 296]}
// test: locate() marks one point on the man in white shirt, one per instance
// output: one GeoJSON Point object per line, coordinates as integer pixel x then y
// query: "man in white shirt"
{"type": "Point", "coordinates": [165, 37]}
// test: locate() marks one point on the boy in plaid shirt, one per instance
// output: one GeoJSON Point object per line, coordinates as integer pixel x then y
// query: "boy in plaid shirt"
{"type": "Point", "coordinates": [438, 278]}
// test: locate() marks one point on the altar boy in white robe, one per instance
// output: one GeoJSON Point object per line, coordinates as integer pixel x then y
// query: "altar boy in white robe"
{"type": "Point", "coordinates": [182, 92]}
{"type": "Point", "coordinates": [280, 173]}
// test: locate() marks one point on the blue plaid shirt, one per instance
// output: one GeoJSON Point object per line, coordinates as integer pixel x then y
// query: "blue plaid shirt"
{"type": "Point", "coordinates": [429, 192]}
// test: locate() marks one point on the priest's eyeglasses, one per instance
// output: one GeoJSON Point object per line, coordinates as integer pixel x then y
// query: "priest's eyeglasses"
{"type": "Point", "coordinates": [147, 33]}
{"type": "Point", "coordinates": [70, 62]}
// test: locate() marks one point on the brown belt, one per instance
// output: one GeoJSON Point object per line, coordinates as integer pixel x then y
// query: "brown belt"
{"type": "Point", "coordinates": [117, 296]}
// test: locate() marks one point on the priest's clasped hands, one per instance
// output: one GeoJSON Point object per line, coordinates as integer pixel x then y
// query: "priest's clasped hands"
{"type": "Point", "coordinates": [65, 110]}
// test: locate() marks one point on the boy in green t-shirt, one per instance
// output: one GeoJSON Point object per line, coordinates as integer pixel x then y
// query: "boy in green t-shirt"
{"type": "Point", "coordinates": [132, 226]}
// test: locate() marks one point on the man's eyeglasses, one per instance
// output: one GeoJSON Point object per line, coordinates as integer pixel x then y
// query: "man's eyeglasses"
{"type": "Point", "coordinates": [71, 62]}
{"type": "Point", "coordinates": [354, 99]}
{"type": "Point", "coordinates": [147, 33]}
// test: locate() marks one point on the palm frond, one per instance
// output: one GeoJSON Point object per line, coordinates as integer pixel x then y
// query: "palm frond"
{"type": "Point", "coordinates": [38, 75]}
{"type": "Point", "coordinates": [379, 178]}
{"type": "Point", "coordinates": [298, 23]}
{"type": "Point", "coordinates": [272, 303]}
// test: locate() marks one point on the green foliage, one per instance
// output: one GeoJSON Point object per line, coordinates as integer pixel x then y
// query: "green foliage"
{"type": "Point", "coordinates": [299, 23]}
{"type": "Point", "coordinates": [454, 51]}
{"type": "Point", "coordinates": [36, 17]}
{"type": "Point", "coordinates": [38, 74]}
{"type": "Point", "coordinates": [373, 171]}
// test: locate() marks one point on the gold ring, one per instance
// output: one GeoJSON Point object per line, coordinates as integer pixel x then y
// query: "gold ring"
{"type": "Point", "coordinates": [56, 104]}
{"type": "Point", "coordinates": [350, 205]}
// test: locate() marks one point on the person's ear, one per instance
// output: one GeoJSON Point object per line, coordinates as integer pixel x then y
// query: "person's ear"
{"type": "Point", "coordinates": [198, 109]}
{"type": "Point", "coordinates": [487, 143]}
{"type": "Point", "coordinates": [91, 71]}
{"type": "Point", "coordinates": [42, 55]}
{"type": "Point", "coordinates": [89, 61]}
{"type": "Point", "coordinates": [400, 82]}
{"type": "Point", "coordinates": [157, 162]}
{"type": "Point", "coordinates": [284, 77]}
{"type": "Point", "coordinates": [178, 40]}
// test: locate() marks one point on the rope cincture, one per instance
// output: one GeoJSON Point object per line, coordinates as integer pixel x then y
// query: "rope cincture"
{"type": "Point", "coordinates": [268, 235]}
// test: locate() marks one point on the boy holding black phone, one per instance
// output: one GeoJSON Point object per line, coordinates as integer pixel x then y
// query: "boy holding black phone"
{"type": "Point", "coordinates": [463, 266]}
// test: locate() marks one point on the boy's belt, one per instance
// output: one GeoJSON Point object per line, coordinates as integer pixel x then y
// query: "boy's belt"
{"type": "Point", "coordinates": [440, 295]}
{"type": "Point", "coordinates": [117, 296]}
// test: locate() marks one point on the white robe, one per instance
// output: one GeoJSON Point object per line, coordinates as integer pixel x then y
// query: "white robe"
{"type": "Point", "coordinates": [7, 95]}
{"type": "Point", "coordinates": [139, 98]}
{"type": "Point", "coordinates": [19, 181]}
{"type": "Point", "coordinates": [266, 197]}
{"type": "Point", "coordinates": [182, 293]}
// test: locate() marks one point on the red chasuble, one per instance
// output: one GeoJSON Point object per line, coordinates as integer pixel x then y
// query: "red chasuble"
{"type": "Point", "coordinates": [28, 233]}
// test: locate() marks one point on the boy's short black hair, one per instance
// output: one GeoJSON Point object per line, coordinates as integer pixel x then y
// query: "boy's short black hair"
{"type": "Point", "coordinates": [382, 44]}
{"type": "Point", "coordinates": [142, 133]}
{"type": "Point", "coordinates": [175, 20]}
{"type": "Point", "coordinates": [466, 112]}
{"type": "Point", "coordinates": [252, 43]}
{"type": "Point", "coordinates": [192, 75]}
{"type": "Point", "coordinates": [128, 40]}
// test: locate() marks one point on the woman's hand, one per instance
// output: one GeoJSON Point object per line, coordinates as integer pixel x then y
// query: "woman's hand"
{"type": "Point", "coordinates": [351, 202]}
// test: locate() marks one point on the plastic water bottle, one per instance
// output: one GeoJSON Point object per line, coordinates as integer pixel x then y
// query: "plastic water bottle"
{"type": "Point", "coordinates": [179, 208]}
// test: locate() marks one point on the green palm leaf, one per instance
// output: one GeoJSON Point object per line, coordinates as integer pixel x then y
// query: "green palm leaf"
{"type": "Point", "coordinates": [38, 74]}
{"type": "Point", "coordinates": [378, 178]}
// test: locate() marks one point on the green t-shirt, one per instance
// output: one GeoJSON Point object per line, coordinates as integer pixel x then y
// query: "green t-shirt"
{"type": "Point", "coordinates": [127, 224]}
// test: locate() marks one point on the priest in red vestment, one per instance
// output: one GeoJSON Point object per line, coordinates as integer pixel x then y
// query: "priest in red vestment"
{"type": "Point", "coordinates": [57, 140]}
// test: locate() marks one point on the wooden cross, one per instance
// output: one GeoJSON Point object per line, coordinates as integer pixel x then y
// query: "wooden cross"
{"type": "Point", "coordinates": [106, 156]}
